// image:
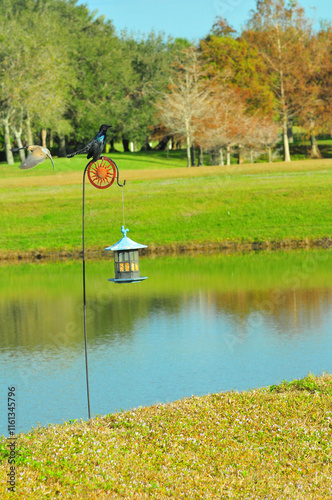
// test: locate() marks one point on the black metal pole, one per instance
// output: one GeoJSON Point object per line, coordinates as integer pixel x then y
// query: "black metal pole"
{"type": "Point", "coordinates": [84, 301]}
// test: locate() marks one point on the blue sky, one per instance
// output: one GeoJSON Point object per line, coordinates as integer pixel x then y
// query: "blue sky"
{"type": "Point", "coordinates": [191, 19]}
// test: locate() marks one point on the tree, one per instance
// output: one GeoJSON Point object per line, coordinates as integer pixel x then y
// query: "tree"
{"type": "Point", "coordinates": [225, 124]}
{"type": "Point", "coordinates": [187, 101]}
{"type": "Point", "coordinates": [325, 80]}
{"type": "Point", "coordinates": [146, 74]}
{"type": "Point", "coordinates": [226, 55]}
{"type": "Point", "coordinates": [281, 33]}
{"type": "Point", "coordinates": [10, 77]}
{"type": "Point", "coordinates": [96, 55]}
{"type": "Point", "coordinates": [261, 134]}
{"type": "Point", "coordinates": [316, 117]}
{"type": "Point", "coordinates": [36, 69]}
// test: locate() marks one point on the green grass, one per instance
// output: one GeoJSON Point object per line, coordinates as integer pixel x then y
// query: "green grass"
{"type": "Point", "coordinates": [272, 443]}
{"type": "Point", "coordinates": [41, 210]}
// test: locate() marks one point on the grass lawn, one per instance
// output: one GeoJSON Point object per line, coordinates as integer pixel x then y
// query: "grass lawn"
{"type": "Point", "coordinates": [165, 204]}
{"type": "Point", "coordinates": [272, 443]}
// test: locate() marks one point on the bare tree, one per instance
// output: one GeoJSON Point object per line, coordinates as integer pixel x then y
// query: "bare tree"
{"type": "Point", "coordinates": [225, 123]}
{"type": "Point", "coordinates": [261, 133]}
{"type": "Point", "coordinates": [282, 34]}
{"type": "Point", "coordinates": [187, 101]}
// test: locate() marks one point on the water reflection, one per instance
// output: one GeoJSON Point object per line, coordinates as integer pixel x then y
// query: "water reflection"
{"type": "Point", "coordinates": [197, 325]}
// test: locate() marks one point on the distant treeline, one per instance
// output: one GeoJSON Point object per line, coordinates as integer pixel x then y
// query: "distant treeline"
{"type": "Point", "coordinates": [64, 71]}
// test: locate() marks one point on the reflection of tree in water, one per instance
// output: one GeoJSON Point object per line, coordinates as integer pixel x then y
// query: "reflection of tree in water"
{"type": "Point", "coordinates": [46, 321]}
{"type": "Point", "coordinates": [38, 322]}
{"type": "Point", "coordinates": [289, 309]}
{"type": "Point", "coordinates": [43, 322]}
{"type": "Point", "coordinates": [118, 318]}
{"type": "Point", "coordinates": [41, 306]}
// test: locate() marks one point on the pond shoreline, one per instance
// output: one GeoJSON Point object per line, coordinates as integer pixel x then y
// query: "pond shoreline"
{"type": "Point", "coordinates": [227, 246]}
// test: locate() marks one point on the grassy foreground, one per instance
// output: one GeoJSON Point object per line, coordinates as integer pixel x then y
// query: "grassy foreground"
{"type": "Point", "coordinates": [271, 443]}
{"type": "Point", "coordinates": [166, 205]}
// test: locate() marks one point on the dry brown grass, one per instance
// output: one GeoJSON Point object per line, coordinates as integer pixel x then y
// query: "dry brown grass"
{"type": "Point", "coordinates": [71, 178]}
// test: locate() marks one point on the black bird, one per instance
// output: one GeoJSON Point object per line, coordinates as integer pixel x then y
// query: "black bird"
{"type": "Point", "coordinates": [95, 147]}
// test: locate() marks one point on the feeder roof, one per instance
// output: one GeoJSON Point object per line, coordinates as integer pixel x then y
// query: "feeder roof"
{"type": "Point", "coordinates": [125, 243]}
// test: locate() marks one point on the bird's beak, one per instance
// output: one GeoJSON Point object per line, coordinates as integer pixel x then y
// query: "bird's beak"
{"type": "Point", "coordinates": [50, 157]}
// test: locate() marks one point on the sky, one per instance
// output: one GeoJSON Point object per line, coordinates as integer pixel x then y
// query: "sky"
{"type": "Point", "coordinates": [191, 19]}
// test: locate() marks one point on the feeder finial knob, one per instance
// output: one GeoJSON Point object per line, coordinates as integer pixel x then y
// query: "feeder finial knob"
{"type": "Point", "coordinates": [124, 231]}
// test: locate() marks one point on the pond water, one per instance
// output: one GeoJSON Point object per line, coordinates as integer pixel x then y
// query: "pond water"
{"type": "Point", "coordinates": [197, 325]}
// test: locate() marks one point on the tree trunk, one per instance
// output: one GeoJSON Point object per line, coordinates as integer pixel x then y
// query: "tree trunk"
{"type": "Point", "coordinates": [315, 153]}
{"type": "Point", "coordinates": [162, 145]}
{"type": "Point", "coordinates": [146, 146]}
{"type": "Point", "coordinates": [200, 157]}
{"type": "Point", "coordinates": [62, 153]}
{"type": "Point", "coordinates": [125, 143]}
{"type": "Point", "coordinates": [6, 133]}
{"type": "Point", "coordinates": [214, 156]}
{"type": "Point", "coordinates": [188, 151]}
{"type": "Point", "coordinates": [193, 156]}
{"type": "Point", "coordinates": [29, 131]}
{"type": "Point", "coordinates": [221, 155]}
{"type": "Point", "coordinates": [43, 137]}
{"type": "Point", "coordinates": [284, 112]}
{"type": "Point", "coordinates": [285, 140]}
{"type": "Point", "coordinates": [62, 146]}
{"type": "Point", "coordinates": [240, 157]}
{"type": "Point", "coordinates": [17, 135]}
{"type": "Point", "coordinates": [270, 154]}
{"type": "Point", "coordinates": [290, 132]}
{"type": "Point", "coordinates": [112, 147]}
{"type": "Point", "coordinates": [228, 155]}
{"type": "Point", "coordinates": [284, 120]}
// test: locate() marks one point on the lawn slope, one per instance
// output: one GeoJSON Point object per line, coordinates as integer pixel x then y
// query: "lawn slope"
{"type": "Point", "coordinates": [272, 443]}
{"type": "Point", "coordinates": [170, 207]}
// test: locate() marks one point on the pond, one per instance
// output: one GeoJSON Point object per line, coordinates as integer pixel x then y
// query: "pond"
{"type": "Point", "coordinates": [199, 324]}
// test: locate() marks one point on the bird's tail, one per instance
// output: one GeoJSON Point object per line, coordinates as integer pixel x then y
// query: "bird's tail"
{"type": "Point", "coordinates": [14, 150]}
{"type": "Point", "coordinates": [80, 151]}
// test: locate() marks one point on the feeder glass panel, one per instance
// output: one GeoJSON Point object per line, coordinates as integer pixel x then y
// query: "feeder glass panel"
{"type": "Point", "coordinates": [126, 259]}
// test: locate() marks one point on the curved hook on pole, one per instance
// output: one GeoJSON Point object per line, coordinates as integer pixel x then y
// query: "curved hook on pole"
{"type": "Point", "coordinates": [117, 176]}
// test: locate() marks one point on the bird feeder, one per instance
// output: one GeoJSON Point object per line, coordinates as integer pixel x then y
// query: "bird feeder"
{"type": "Point", "coordinates": [126, 259]}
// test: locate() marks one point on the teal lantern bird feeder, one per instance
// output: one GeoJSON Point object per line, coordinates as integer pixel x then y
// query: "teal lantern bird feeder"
{"type": "Point", "coordinates": [126, 259]}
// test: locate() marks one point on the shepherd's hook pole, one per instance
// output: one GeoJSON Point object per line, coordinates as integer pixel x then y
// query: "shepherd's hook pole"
{"type": "Point", "coordinates": [84, 301]}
